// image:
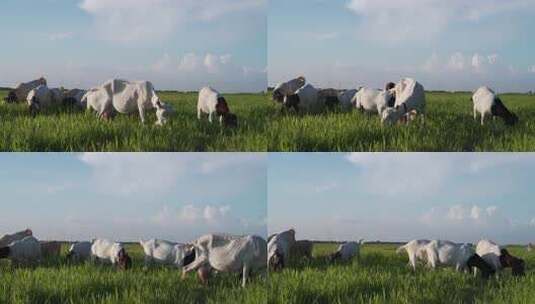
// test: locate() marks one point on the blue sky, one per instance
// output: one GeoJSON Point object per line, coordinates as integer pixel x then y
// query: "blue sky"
{"type": "Point", "coordinates": [403, 196]}
{"type": "Point", "coordinates": [451, 45]}
{"type": "Point", "coordinates": [127, 196]}
{"type": "Point", "coordinates": [182, 44]}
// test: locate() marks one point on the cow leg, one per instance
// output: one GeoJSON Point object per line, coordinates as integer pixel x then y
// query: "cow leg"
{"type": "Point", "coordinates": [483, 118]}
{"type": "Point", "coordinates": [245, 274]}
{"type": "Point", "coordinates": [412, 261]}
{"type": "Point", "coordinates": [475, 113]}
{"type": "Point", "coordinates": [210, 116]}
{"type": "Point", "coordinates": [198, 113]}
{"type": "Point", "coordinates": [142, 114]}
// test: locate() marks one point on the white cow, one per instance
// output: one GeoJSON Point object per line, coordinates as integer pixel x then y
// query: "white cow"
{"type": "Point", "coordinates": [112, 252]}
{"type": "Point", "coordinates": [164, 252]}
{"type": "Point", "coordinates": [211, 102]}
{"type": "Point", "coordinates": [410, 100]}
{"type": "Point", "coordinates": [126, 97]}
{"type": "Point", "coordinates": [27, 250]}
{"type": "Point", "coordinates": [226, 253]}
{"type": "Point", "coordinates": [22, 89]}
{"type": "Point", "coordinates": [288, 88]}
{"type": "Point", "coordinates": [347, 251]}
{"type": "Point", "coordinates": [43, 97]}
{"type": "Point", "coordinates": [306, 99]}
{"type": "Point", "coordinates": [448, 254]}
{"type": "Point", "coordinates": [80, 251]}
{"type": "Point", "coordinates": [371, 100]}
{"type": "Point", "coordinates": [7, 239]}
{"type": "Point", "coordinates": [416, 250]}
{"type": "Point", "coordinates": [486, 102]}
{"type": "Point", "coordinates": [279, 247]}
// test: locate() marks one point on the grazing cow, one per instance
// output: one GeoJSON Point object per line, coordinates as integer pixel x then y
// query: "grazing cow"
{"type": "Point", "coordinates": [27, 250]}
{"type": "Point", "coordinates": [448, 254]}
{"type": "Point", "coordinates": [279, 247]}
{"type": "Point", "coordinates": [80, 251]}
{"type": "Point", "coordinates": [165, 252]}
{"type": "Point", "coordinates": [287, 88]}
{"type": "Point", "coordinates": [410, 100]}
{"type": "Point", "coordinates": [486, 102]}
{"type": "Point", "coordinates": [346, 98]}
{"type": "Point", "coordinates": [476, 262]}
{"type": "Point", "coordinates": [212, 102]}
{"type": "Point", "coordinates": [306, 98]}
{"type": "Point", "coordinates": [74, 98]}
{"type": "Point", "coordinates": [225, 253]}
{"type": "Point", "coordinates": [112, 252]}
{"type": "Point", "coordinates": [126, 97]}
{"type": "Point", "coordinates": [22, 89]}
{"type": "Point", "coordinates": [372, 101]}
{"type": "Point", "coordinates": [415, 250]}
{"type": "Point", "coordinates": [50, 248]}
{"type": "Point", "coordinates": [517, 265]}
{"type": "Point", "coordinates": [499, 258]}
{"type": "Point", "coordinates": [43, 97]}
{"type": "Point", "coordinates": [302, 249]}
{"type": "Point", "coordinates": [7, 239]}
{"type": "Point", "coordinates": [347, 251]}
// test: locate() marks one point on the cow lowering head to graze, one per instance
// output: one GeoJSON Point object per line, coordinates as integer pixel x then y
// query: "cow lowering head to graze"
{"type": "Point", "coordinates": [227, 253]}
{"type": "Point", "coordinates": [346, 99]}
{"type": "Point", "coordinates": [284, 89]}
{"type": "Point", "coordinates": [7, 239]}
{"type": "Point", "coordinates": [507, 260]}
{"type": "Point", "coordinates": [165, 252]}
{"type": "Point", "coordinates": [79, 251]}
{"type": "Point", "coordinates": [112, 252]}
{"type": "Point", "coordinates": [21, 90]}
{"type": "Point", "coordinates": [126, 97]}
{"type": "Point", "coordinates": [305, 99]}
{"type": "Point", "coordinates": [279, 248]}
{"type": "Point", "coordinates": [416, 250]}
{"type": "Point", "coordinates": [447, 253]}
{"type": "Point", "coordinates": [347, 251]}
{"type": "Point", "coordinates": [476, 262]}
{"type": "Point", "coordinates": [372, 101]}
{"type": "Point", "coordinates": [486, 102]}
{"type": "Point", "coordinates": [24, 251]}
{"type": "Point", "coordinates": [73, 98]}
{"type": "Point", "coordinates": [409, 101]}
{"type": "Point", "coordinates": [211, 102]}
{"type": "Point", "coordinates": [490, 252]}
{"type": "Point", "coordinates": [43, 97]}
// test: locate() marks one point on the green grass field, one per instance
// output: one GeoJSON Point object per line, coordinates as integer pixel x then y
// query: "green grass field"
{"type": "Point", "coordinates": [55, 281]}
{"type": "Point", "coordinates": [381, 276]}
{"type": "Point", "coordinates": [449, 126]}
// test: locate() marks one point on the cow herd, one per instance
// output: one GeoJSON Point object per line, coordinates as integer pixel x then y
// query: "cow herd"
{"type": "Point", "coordinates": [117, 96]}
{"type": "Point", "coordinates": [487, 257]}
{"type": "Point", "coordinates": [209, 254]}
{"type": "Point", "coordinates": [397, 102]}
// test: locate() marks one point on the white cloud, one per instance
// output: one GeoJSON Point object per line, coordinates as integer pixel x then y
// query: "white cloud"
{"type": "Point", "coordinates": [132, 174]}
{"type": "Point", "coordinates": [393, 21]}
{"type": "Point", "coordinates": [147, 20]}
{"type": "Point", "coordinates": [456, 62]}
{"type": "Point", "coordinates": [60, 36]}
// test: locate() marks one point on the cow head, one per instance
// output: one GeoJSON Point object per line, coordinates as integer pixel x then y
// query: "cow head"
{"type": "Point", "coordinates": [189, 257]}
{"type": "Point", "coordinates": [163, 113]}
{"type": "Point", "coordinates": [229, 120]}
{"type": "Point", "coordinates": [499, 109]}
{"type": "Point", "coordinates": [276, 262]}
{"type": "Point", "coordinates": [476, 261]}
{"type": "Point", "coordinates": [517, 265]}
{"type": "Point", "coordinates": [292, 101]}
{"type": "Point", "coordinates": [124, 261]}
{"type": "Point", "coordinates": [4, 252]}
{"type": "Point", "coordinates": [335, 256]}
{"type": "Point", "coordinates": [389, 86]}
{"type": "Point", "coordinates": [391, 115]}
{"type": "Point", "coordinates": [203, 273]}
{"type": "Point", "coordinates": [34, 106]}
{"type": "Point", "coordinates": [221, 106]}
{"type": "Point", "coordinates": [11, 97]}
{"type": "Point", "coordinates": [277, 96]}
